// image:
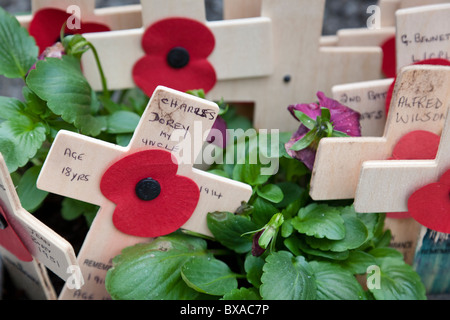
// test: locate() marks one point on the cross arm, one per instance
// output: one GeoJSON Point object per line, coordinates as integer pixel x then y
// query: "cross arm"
{"type": "Point", "coordinates": [216, 194]}
{"type": "Point", "coordinates": [75, 165]}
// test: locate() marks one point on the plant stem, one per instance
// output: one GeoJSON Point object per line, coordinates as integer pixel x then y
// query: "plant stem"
{"type": "Point", "coordinates": [100, 69]}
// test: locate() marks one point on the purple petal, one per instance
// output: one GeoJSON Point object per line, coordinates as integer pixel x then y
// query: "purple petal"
{"type": "Point", "coordinates": [256, 248]}
{"type": "Point", "coordinates": [218, 133]}
{"type": "Point", "coordinates": [343, 118]}
{"type": "Point", "coordinates": [307, 155]}
{"type": "Point", "coordinates": [312, 110]}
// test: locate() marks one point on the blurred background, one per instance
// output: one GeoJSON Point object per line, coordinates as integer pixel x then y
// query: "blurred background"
{"type": "Point", "coordinates": [339, 14]}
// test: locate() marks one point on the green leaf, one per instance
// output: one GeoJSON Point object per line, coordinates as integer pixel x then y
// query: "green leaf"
{"type": "Point", "coordinates": [339, 134]}
{"type": "Point", "coordinates": [10, 108]}
{"type": "Point", "coordinates": [398, 281]}
{"type": "Point", "coordinates": [250, 174]}
{"type": "Point", "coordinates": [325, 114]}
{"type": "Point", "coordinates": [242, 294]}
{"type": "Point", "coordinates": [355, 235]}
{"type": "Point", "coordinates": [287, 277]}
{"type": "Point", "coordinates": [254, 268]}
{"type": "Point", "coordinates": [304, 142]}
{"type": "Point", "coordinates": [295, 244]}
{"type": "Point", "coordinates": [321, 221]}
{"type": "Point", "coordinates": [152, 271]}
{"type": "Point", "coordinates": [263, 211]}
{"type": "Point", "coordinates": [335, 283]}
{"type": "Point", "coordinates": [122, 122]}
{"type": "Point", "coordinates": [20, 139]}
{"type": "Point", "coordinates": [292, 192]}
{"type": "Point", "coordinates": [386, 252]}
{"type": "Point", "coordinates": [209, 275]}
{"type": "Point", "coordinates": [305, 120]}
{"type": "Point", "coordinates": [18, 50]}
{"type": "Point", "coordinates": [358, 262]}
{"type": "Point", "coordinates": [29, 135]}
{"type": "Point", "coordinates": [12, 158]}
{"type": "Point", "coordinates": [35, 105]}
{"type": "Point", "coordinates": [30, 196]}
{"type": "Point", "coordinates": [271, 192]}
{"type": "Point", "coordinates": [62, 84]}
{"type": "Point", "coordinates": [72, 209]}
{"type": "Point", "coordinates": [228, 229]}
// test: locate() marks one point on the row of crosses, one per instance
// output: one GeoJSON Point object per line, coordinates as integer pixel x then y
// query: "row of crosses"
{"type": "Point", "coordinates": [254, 61]}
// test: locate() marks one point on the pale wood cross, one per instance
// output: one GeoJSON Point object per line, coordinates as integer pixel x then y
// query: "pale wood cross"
{"type": "Point", "coordinates": [422, 20]}
{"type": "Point", "coordinates": [42, 247]}
{"type": "Point", "coordinates": [328, 183]}
{"type": "Point", "coordinates": [419, 102]}
{"type": "Point", "coordinates": [116, 18]}
{"type": "Point", "coordinates": [169, 113]}
{"type": "Point", "coordinates": [369, 99]}
{"type": "Point", "coordinates": [387, 22]}
{"type": "Point", "coordinates": [272, 60]}
{"type": "Point", "coordinates": [386, 185]}
{"type": "Point", "coordinates": [389, 8]}
{"type": "Point", "coordinates": [414, 25]}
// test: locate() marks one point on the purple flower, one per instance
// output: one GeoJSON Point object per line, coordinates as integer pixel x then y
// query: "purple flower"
{"type": "Point", "coordinates": [257, 250]}
{"type": "Point", "coordinates": [219, 134]}
{"type": "Point", "coordinates": [327, 118]}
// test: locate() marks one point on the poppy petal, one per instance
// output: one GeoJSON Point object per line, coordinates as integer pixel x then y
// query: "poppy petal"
{"type": "Point", "coordinates": [389, 64]}
{"type": "Point", "coordinates": [11, 241]}
{"type": "Point", "coordinates": [152, 71]}
{"type": "Point", "coordinates": [415, 145]}
{"type": "Point", "coordinates": [46, 26]}
{"type": "Point", "coordinates": [164, 35]}
{"type": "Point", "coordinates": [190, 36]}
{"type": "Point", "coordinates": [173, 205]}
{"type": "Point", "coordinates": [430, 205]}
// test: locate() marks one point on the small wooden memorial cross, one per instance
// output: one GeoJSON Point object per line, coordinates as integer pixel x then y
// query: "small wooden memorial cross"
{"type": "Point", "coordinates": [116, 18]}
{"type": "Point", "coordinates": [255, 60]}
{"type": "Point", "coordinates": [369, 99]}
{"type": "Point", "coordinates": [422, 34]}
{"type": "Point", "coordinates": [419, 103]}
{"type": "Point", "coordinates": [386, 185]}
{"type": "Point", "coordinates": [27, 245]}
{"type": "Point", "coordinates": [141, 176]}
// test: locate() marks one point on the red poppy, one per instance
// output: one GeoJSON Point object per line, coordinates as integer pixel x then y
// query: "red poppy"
{"type": "Point", "coordinates": [389, 65]}
{"type": "Point", "coordinates": [47, 23]}
{"type": "Point", "coordinates": [430, 205]}
{"type": "Point", "coordinates": [176, 56]}
{"type": "Point", "coordinates": [11, 241]}
{"type": "Point", "coordinates": [415, 145]}
{"type": "Point", "coordinates": [151, 199]}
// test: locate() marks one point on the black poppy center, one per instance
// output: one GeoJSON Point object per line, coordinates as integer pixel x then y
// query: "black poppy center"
{"type": "Point", "coordinates": [178, 57]}
{"type": "Point", "coordinates": [148, 189]}
{"type": "Point", "coordinates": [3, 223]}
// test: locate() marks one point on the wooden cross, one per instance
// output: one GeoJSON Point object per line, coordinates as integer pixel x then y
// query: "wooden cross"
{"type": "Point", "coordinates": [76, 164]}
{"type": "Point", "coordinates": [418, 103]}
{"type": "Point", "coordinates": [369, 99]}
{"type": "Point", "coordinates": [413, 25]}
{"type": "Point", "coordinates": [328, 183]}
{"type": "Point", "coordinates": [422, 34]}
{"type": "Point", "coordinates": [389, 8]}
{"type": "Point", "coordinates": [117, 18]}
{"type": "Point", "coordinates": [385, 186]}
{"type": "Point", "coordinates": [34, 245]}
{"type": "Point", "coordinates": [255, 59]}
